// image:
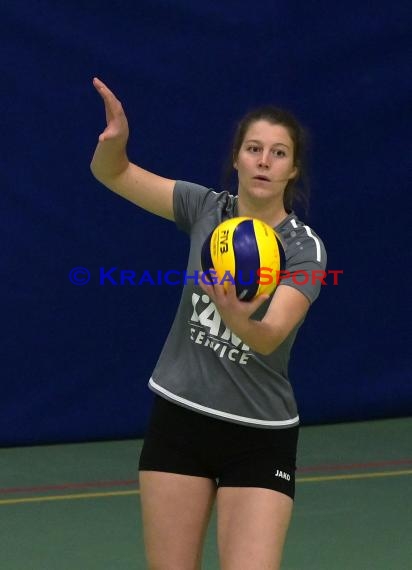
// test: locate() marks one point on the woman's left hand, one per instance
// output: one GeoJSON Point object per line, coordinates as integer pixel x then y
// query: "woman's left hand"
{"type": "Point", "coordinates": [231, 309]}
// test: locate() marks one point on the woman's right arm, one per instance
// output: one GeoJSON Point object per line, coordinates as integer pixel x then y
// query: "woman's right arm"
{"type": "Point", "coordinates": [112, 168]}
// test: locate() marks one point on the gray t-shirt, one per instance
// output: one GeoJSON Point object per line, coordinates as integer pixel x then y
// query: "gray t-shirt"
{"type": "Point", "coordinates": [203, 365]}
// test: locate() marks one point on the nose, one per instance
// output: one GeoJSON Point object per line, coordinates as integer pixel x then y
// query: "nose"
{"type": "Point", "coordinates": [264, 159]}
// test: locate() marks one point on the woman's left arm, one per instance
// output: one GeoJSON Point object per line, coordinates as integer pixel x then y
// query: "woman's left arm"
{"type": "Point", "coordinates": [287, 308]}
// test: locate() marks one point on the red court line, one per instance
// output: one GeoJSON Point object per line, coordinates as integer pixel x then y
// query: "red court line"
{"type": "Point", "coordinates": [130, 482]}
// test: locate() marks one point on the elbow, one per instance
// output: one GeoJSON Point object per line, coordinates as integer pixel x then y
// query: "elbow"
{"type": "Point", "coordinates": [270, 338]}
{"type": "Point", "coordinates": [268, 343]}
{"type": "Point", "coordinates": [266, 348]}
{"type": "Point", "coordinates": [265, 351]}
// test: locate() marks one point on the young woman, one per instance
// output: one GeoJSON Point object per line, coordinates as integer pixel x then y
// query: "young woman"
{"type": "Point", "coordinates": [224, 426]}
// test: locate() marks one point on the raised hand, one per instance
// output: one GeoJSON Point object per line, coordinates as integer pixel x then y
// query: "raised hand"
{"type": "Point", "coordinates": [111, 166]}
{"type": "Point", "coordinates": [117, 126]}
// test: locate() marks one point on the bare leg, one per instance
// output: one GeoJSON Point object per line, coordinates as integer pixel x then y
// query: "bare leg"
{"type": "Point", "coordinates": [176, 511]}
{"type": "Point", "coordinates": [252, 527]}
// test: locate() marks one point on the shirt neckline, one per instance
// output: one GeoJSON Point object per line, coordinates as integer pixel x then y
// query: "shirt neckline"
{"type": "Point", "coordinates": [278, 227]}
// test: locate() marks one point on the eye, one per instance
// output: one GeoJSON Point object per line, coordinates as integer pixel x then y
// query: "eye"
{"type": "Point", "coordinates": [253, 148]}
{"type": "Point", "coordinates": [279, 153]}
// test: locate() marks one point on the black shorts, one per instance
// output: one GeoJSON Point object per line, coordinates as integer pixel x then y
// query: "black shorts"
{"type": "Point", "coordinates": [179, 440]}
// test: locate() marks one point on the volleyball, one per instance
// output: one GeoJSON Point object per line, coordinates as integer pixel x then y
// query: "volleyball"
{"type": "Point", "coordinates": [247, 252]}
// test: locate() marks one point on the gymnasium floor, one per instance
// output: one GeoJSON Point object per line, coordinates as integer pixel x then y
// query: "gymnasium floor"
{"type": "Point", "coordinates": [76, 507]}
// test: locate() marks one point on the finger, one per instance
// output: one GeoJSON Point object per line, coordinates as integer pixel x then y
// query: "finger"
{"type": "Point", "coordinates": [98, 82]}
{"type": "Point", "coordinates": [102, 88]}
{"type": "Point", "coordinates": [229, 288]}
{"type": "Point", "coordinates": [204, 287]}
{"type": "Point", "coordinates": [105, 136]}
{"type": "Point", "coordinates": [208, 277]}
{"type": "Point", "coordinates": [220, 293]}
{"type": "Point", "coordinates": [258, 301]}
{"type": "Point", "coordinates": [105, 93]}
{"type": "Point", "coordinates": [205, 279]}
{"type": "Point", "coordinates": [208, 289]}
{"type": "Point", "coordinates": [111, 103]}
{"type": "Point", "coordinates": [110, 132]}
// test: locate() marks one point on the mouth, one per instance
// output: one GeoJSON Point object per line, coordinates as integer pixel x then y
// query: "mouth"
{"type": "Point", "coordinates": [262, 178]}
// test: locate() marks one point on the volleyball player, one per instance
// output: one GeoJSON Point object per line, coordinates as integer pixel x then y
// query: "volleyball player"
{"type": "Point", "coordinates": [224, 426]}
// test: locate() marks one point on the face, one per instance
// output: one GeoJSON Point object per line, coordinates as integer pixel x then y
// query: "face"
{"type": "Point", "coordinates": [265, 160]}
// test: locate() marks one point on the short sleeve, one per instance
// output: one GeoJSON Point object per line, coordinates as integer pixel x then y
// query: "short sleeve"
{"type": "Point", "coordinates": [305, 263]}
{"type": "Point", "coordinates": [190, 201]}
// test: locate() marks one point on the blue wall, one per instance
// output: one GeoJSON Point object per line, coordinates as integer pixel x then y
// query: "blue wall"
{"type": "Point", "coordinates": [76, 359]}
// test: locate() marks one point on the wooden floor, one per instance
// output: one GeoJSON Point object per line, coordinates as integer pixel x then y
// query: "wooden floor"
{"type": "Point", "coordinates": [76, 507]}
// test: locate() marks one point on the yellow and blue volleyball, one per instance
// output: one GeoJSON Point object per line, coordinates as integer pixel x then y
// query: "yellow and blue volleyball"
{"type": "Point", "coordinates": [244, 251]}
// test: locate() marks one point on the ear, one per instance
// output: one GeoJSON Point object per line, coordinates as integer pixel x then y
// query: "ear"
{"type": "Point", "coordinates": [294, 172]}
{"type": "Point", "coordinates": [235, 164]}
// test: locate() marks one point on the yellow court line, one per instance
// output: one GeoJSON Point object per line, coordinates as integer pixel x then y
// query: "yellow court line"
{"type": "Point", "coordinates": [67, 497]}
{"type": "Point", "coordinates": [353, 476]}
{"type": "Point", "coordinates": [137, 492]}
